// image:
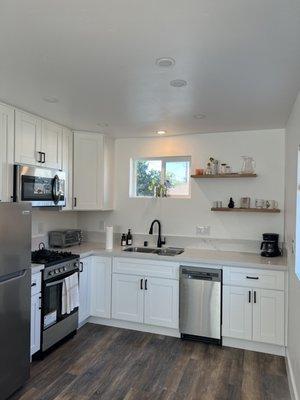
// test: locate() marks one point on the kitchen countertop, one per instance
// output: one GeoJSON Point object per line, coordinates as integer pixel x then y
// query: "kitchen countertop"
{"type": "Point", "coordinates": [215, 257]}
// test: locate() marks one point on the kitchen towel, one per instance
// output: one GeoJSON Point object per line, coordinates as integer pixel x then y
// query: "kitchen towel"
{"type": "Point", "coordinates": [109, 237]}
{"type": "Point", "coordinates": [70, 294]}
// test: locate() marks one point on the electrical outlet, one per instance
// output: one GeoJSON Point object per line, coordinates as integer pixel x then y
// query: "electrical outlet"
{"type": "Point", "coordinates": [203, 230]}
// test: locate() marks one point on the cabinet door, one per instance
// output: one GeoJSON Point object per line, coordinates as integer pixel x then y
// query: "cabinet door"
{"type": "Point", "coordinates": [35, 324]}
{"type": "Point", "coordinates": [84, 289]}
{"type": "Point", "coordinates": [127, 297]}
{"type": "Point", "coordinates": [88, 171]}
{"type": "Point", "coordinates": [101, 287]}
{"type": "Point", "coordinates": [67, 166]}
{"type": "Point", "coordinates": [161, 302]}
{"type": "Point", "coordinates": [268, 316]}
{"type": "Point", "coordinates": [6, 152]}
{"type": "Point", "coordinates": [237, 312]}
{"type": "Point", "coordinates": [52, 144]}
{"type": "Point", "coordinates": [28, 138]}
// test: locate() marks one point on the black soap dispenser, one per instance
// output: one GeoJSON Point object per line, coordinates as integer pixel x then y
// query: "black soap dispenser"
{"type": "Point", "coordinates": [231, 203]}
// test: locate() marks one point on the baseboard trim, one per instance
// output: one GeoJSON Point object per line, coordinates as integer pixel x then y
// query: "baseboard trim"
{"type": "Point", "coordinates": [291, 378]}
{"type": "Point", "coordinates": [134, 326]}
{"type": "Point", "coordinates": [254, 346]}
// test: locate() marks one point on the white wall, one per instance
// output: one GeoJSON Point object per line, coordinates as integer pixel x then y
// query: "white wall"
{"type": "Point", "coordinates": [180, 217]}
{"type": "Point", "coordinates": [45, 220]}
{"type": "Point", "coordinates": [292, 144]}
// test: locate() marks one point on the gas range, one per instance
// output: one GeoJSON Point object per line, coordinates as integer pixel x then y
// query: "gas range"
{"type": "Point", "coordinates": [56, 263]}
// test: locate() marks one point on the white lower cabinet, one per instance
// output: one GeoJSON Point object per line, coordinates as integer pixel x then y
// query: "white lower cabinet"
{"type": "Point", "coordinates": [161, 302]}
{"type": "Point", "coordinates": [253, 314]}
{"type": "Point", "coordinates": [84, 289]}
{"type": "Point", "coordinates": [100, 287]}
{"type": "Point", "coordinates": [148, 300]}
{"type": "Point", "coordinates": [127, 297]}
{"type": "Point", "coordinates": [35, 324]}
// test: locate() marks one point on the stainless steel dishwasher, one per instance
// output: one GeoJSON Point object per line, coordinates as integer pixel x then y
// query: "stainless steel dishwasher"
{"type": "Point", "coordinates": [200, 304]}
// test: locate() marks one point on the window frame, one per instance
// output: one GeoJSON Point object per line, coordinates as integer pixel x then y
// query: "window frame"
{"type": "Point", "coordinates": [164, 160]}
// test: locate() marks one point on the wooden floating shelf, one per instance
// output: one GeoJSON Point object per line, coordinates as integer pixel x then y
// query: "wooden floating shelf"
{"type": "Point", "coordinates": [224, 176]}
{"type": "Point", "coordinates": [258, 210]}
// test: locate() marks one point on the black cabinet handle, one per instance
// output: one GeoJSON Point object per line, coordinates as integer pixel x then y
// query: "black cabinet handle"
{"type": "Point", "coordinates": [40, 305]}
{"type": "Point", "coordinates": [33, 284]}
{"type": "Point", "coordinates": [141, 285]}
{"type": "Point", "coordinates": [146, 287]}
{"type": "Point", "coordinates": [252, 277]}
{"type": "Point", "coordinates": [43, 158]}
{"type": "Point", "coordinates": [249, 298]}
{"type": "Point", "coordinates": [254, 296]}
{"type": "Point", "coordinates": [75, 202]}
{"type": "Point", "coordinates": [40, 160]}
{"type": "Point", "coordinates": [81, 266]}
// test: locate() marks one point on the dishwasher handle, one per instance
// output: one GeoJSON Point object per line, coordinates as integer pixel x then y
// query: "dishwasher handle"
{"type": "Point", "coordinates": [204, 274]}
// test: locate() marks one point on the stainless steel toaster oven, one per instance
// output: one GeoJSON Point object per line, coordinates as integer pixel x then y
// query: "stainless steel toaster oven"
{"type": "Point", "coordinates": [65, 237]}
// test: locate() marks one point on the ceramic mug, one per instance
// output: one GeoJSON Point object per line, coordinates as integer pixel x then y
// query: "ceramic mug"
{"type": "Point", "coordinates": [260, 203]}
{"type": "Point", "coordinates": [271, 204]}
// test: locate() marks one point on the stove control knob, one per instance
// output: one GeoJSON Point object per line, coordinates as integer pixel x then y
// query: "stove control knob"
{"type": "Point", "coordinates": [56, 271]}
{"type": "Point", "coordinates": [51, 273]}
{"type": "Point", "coordinates": [64, 268]}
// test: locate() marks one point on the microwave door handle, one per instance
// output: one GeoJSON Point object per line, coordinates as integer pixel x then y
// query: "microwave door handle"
{"type": "Point", "coordinates": [56, 190]}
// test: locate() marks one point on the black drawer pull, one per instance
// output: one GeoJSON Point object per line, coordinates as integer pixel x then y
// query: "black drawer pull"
{"type": "Point", "coordinates": [255, 296]}
{"type": "Point", "coordinates": [33, 284]}
{"type": "Point", "coordinates": [252, 277]}
{"type": "Point", "coordinates": [141, 284]}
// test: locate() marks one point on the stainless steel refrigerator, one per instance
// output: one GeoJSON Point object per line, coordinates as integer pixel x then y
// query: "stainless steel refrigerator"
{"type": "Point", "coordinates": [15, 291]}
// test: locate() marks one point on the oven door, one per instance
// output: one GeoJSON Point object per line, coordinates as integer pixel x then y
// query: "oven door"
{"type": "Point", "coordinates": [42, 187]}
{"type": "Point", "coordinates": [52, 302]}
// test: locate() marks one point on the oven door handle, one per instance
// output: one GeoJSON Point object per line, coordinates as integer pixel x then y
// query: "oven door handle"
{"type": "Point", "coordinates": [54, 283]}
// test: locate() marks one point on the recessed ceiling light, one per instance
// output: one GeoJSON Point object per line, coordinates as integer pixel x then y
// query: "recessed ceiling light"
{"type": "Point", "coordinates": [50, 99]}
{"type": "Point", "coordinates": [161, 132]}
{"type": "Point", "coordinates": [199, 116]}
{"type": "Point", "coordinates": [102, 124]}
{"type": "Point", "coordinates": [165, 62]}
{"type": "Point", "coordinates": [178, 83]}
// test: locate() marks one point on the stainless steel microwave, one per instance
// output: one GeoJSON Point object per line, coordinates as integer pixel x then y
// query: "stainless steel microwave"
{"type": "Point", "coordinates": [42, 187]}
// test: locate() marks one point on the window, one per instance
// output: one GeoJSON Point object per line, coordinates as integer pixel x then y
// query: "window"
{"type": "Point", "coordinates": [149, 173]}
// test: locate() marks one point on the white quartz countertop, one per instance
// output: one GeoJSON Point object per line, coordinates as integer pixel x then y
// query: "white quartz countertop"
{"type": "Point", "coordinates": [215, 257]}
{"type": "Point", "coordinates": [36, 268]}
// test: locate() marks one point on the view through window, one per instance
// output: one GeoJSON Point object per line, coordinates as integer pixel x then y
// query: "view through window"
{"type": "Point", "coordinates": [173, 172]}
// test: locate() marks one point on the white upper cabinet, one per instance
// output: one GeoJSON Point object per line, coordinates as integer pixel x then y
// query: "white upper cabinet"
{"type": "Point", "coordinates": [28, 139]}
{"type": "Point", "coordinates": [52, 136]}
{"type": "Point", "coordinates": [67, 166]}
{"type": "Point", "coordinates": [93, 171]}
{"type": "Point", "coordinates": [6, 152]}
{"type": "Point", "coordinates": [37, 141]}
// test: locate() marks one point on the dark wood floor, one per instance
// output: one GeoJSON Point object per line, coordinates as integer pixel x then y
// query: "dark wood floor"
{"type": "Point", "coordinates": [113, 364]}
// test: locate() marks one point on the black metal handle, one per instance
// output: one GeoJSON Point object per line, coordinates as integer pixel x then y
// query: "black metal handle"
{"type": "Point", "coordinates": [43, 158]}
{"type": "Point", "coordinates": [40, 305]}
{"type": "Point", "coordinates": [146, 287]}
{"type": "Point", "coordinates": [141, 284]}
{"type": "Point", "coordinates": [33, 284]}
{"type": "Point", "coordinates": [254, 296]}
{"type": "Point", "coordinates": [56, 193]}
{"type": "Point", "coordinates": [75, 202]}
{"type": "Point", "coordinates": [40, 160]}
{"type": "Point", "coordinates": [81, 266]}
{"type": "Point", "coordinates": [252, 277]}
{"type": "Point", "coordinates": [249, 298]}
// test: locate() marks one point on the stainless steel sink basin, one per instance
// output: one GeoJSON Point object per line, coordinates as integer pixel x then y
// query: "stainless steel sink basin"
{"type": "Point", "coordinates": [167, 251]}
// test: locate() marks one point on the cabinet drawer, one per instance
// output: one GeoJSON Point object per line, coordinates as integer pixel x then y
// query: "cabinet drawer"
{"type": "Point", "coordinates": [36, 280]}
{"type": "Point", "coordinates": [158, 269]}
{"type": "Point", "coordinates": [255, 278]}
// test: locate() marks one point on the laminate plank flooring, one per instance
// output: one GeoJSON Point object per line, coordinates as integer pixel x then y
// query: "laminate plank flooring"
{"type": "Point", "coordinates": [117, 364]}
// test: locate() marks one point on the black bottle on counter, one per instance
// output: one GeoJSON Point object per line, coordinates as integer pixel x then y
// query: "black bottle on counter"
{"type": "Point", "coordinates": [123, 240]}
{"type": "Point", "coordinates": [129, 238]}
{"type": "Point", "coordinates": [231, 203]}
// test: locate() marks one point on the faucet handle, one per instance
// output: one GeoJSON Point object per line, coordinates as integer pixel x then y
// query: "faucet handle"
{"type": "Point", "coordinates": [163, 240]}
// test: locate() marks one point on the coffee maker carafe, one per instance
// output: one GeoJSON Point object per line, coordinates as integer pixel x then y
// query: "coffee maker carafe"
{"type": "Point", "coordinates": [269, 246]}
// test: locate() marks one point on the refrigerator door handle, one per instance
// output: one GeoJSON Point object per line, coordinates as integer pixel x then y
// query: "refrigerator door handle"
{"type": "Point", "coordinates": [10, 277]}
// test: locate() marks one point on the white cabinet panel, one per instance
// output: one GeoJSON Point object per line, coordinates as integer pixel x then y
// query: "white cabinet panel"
{"type": "Point", "coordinates": [237, 312]}
{"type": "Point", "coordinates": [127, 298]}
{"type": "Point", "coordinates": [161, 302]}
{"type": "Point", "coordinates": [67, 166]}
{"type": "Point", "coordinates": [93, 171]}
{"type": "Point", "coordinates": [28, 138]}
{"type": "Point", "coordinates": [6, 152]}
{"type": "Point", "coordinates": [268, 316]}
{"type": "Point", "coordinates": [52, 144]}
{"type": "Point", "coordinates": [84, 289]}
{"type": "Point", "coordinates": [101, 287]}
{"type": "Point", "coordinates": [35, 324]}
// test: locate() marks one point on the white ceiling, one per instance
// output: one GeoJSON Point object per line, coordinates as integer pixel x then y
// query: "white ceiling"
{"type": "Point", "coordinates": [241, 59]}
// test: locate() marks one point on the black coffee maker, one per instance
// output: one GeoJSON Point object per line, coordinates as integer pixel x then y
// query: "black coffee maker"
{"type": "Point", "coordinates": [269, 246]}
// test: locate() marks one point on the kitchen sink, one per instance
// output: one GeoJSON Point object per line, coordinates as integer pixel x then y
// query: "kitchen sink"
{"type": "Point", "coordinates": [167, 251]}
